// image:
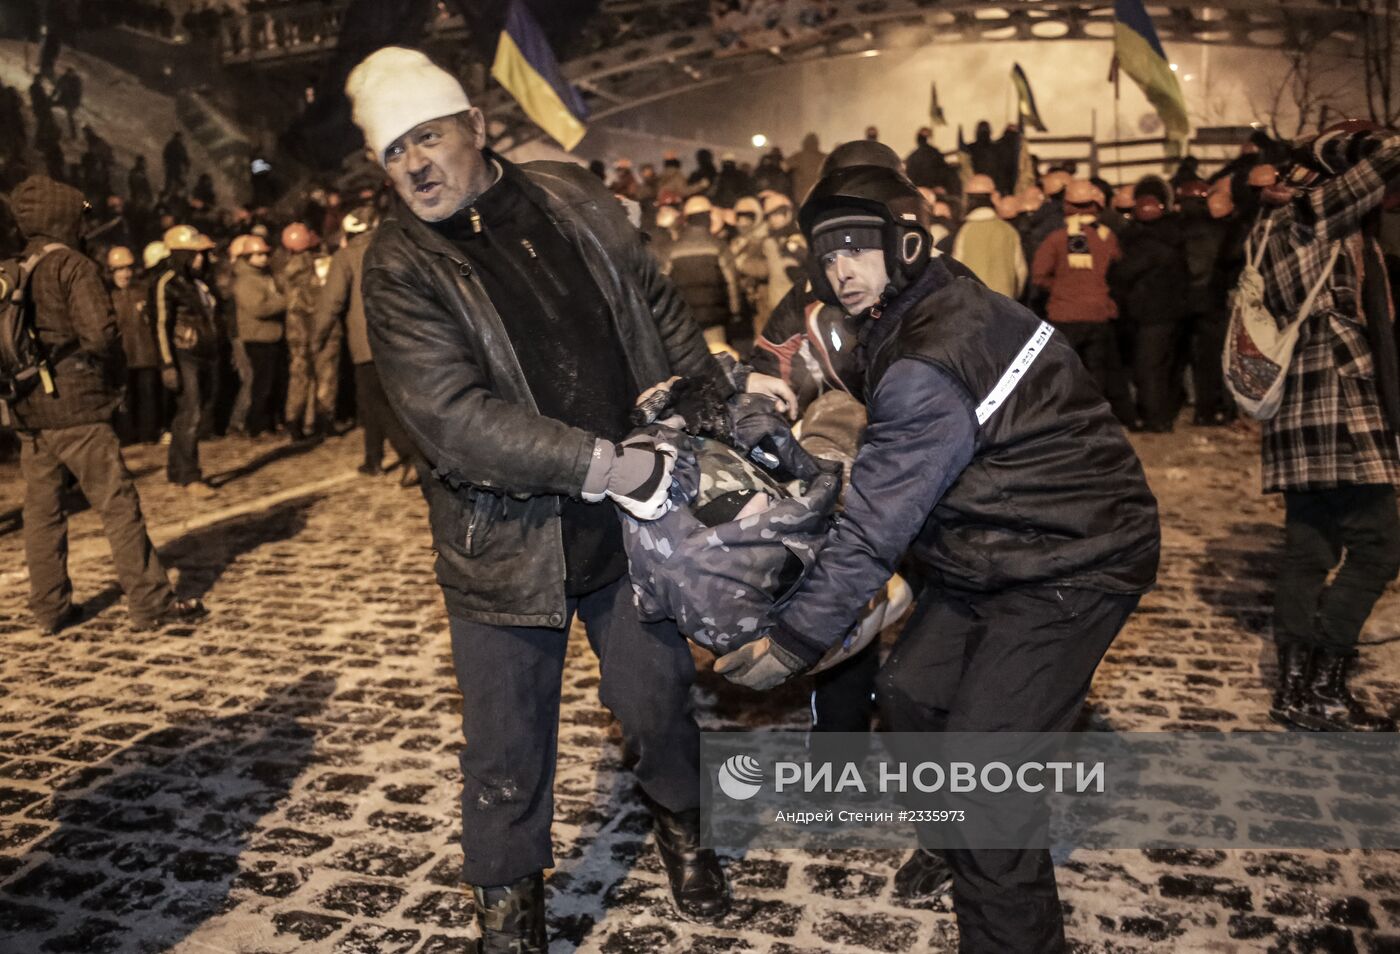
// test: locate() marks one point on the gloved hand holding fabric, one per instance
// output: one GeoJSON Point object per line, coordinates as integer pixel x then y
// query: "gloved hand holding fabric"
{"type": "Point", "coordinates": [636, 474]}
{"type": "Point", "coordinates": [760, 665]}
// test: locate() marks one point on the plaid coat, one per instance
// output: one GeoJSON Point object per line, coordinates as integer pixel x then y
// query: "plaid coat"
{"type": "Point", "coordinates": [1330, 430]}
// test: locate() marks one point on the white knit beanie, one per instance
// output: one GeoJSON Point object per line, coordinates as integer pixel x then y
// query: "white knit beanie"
{"type": "Point", "coordinates": [395, 89]}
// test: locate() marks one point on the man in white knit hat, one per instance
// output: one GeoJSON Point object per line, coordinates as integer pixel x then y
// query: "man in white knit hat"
{"type": "Point", "coordinates": [515, 316]}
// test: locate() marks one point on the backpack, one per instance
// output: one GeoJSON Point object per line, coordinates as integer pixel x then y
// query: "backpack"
{"type": "Point", "coordinates": [1258, 352]}
{"type": "Point", "coordinates": [23, 363]}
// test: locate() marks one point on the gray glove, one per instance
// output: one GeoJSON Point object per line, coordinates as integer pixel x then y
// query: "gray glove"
{"type": "Point", "coordinates": [636, 474]}
{"type": "Point", "coordinates": [761, 665]}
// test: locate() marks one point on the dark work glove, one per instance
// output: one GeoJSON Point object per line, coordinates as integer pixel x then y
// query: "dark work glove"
{"type": "Point", "coordinates": [759, 428]}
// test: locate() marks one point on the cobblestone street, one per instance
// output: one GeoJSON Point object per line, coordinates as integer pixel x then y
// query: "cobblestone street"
{"type": "Point", "coordinates": [283, 777]}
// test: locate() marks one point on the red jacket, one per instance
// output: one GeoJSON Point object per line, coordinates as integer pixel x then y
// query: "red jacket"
{"type": "Point", "coordinates": [1077, 294]}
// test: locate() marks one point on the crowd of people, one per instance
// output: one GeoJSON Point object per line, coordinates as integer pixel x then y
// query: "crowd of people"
{"type": "Point", "coordinates": [1137, 276]}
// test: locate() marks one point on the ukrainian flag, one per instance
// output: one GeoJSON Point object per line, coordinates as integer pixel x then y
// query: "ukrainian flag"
{"type": "Point", "coordinates": [1140, 53]}
{"type": "Point", "coordinates": [525, 65]}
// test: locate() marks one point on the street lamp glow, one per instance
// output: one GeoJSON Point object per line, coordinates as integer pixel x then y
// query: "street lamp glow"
{"type": "Point", "coordinates": [759, 140]}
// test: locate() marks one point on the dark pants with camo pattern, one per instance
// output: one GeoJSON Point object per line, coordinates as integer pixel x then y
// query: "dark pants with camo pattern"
{"type": "Point", "coordinates": [1016, 661]}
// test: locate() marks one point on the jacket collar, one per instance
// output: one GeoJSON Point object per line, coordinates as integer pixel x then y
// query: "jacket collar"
{"type": "Point", "coordinates": [980, 215]}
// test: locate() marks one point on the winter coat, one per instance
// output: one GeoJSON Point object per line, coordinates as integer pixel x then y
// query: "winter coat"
{"type": "Point", "coordinates": [72, 313]}
{"type": "Point", "coordinates": [1202, 238]}
{"type": "Point", "coordinates": [1077, 294]}
{"type": "Point", "coordinates": [703, 271]}
{"type": "Point", "coordinates": [134, 322]}
{"type": "Point", "coordinates": [806, 167]}
{"type": "Point", "coordinates": [1150, 279]}
{"type": "Point", "coordinates": [341, 298]}
{"type": "Point", "coordinates": [1331, 429]}
{"type": "Point", "coordinates": [1044, 490]}
{"type": "Point", "coordinates": [992, 249]}
{"type": "Point", "coordinates": [258, 303]}
{"type": "Point", "coordinates": [500, 468]}
{"type": "Point", "coordinates": [183, 311]}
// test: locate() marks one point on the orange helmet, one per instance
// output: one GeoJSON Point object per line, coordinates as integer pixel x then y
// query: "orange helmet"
{"type": "Point", "coordinates": [1220, 204]}
{"type": "Point", "coordinates": [248, 245]}
{"type": "Point", "coordinates": [1123, 198]}
{"type": "Point", "coordinates": [1193, 189]}
{"type": "Point", "coordinates": [120, 257]}
{"type": "Point", "coordinates": [1083, 192]}
{"type": "Point", "coordinates": [298, 238]}
{"type": "Point", "coordinates": [186, 238]}
{"type": "Point", "coordinates": [980, 185]}
{"type": "Point", "coordinates": [1147, 208]}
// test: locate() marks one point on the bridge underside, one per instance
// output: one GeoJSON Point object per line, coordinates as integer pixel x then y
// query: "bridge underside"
{"type": "Point", "coordinates": [637, 52]}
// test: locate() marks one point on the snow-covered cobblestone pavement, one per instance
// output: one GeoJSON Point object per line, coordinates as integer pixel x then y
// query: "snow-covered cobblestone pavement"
{"type": "Point", "coordinates": [283, 777]}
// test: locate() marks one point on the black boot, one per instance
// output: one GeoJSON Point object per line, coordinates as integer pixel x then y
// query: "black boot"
{"type": "Point", "coordinates": [1328, 705]}
{"type": "Point", "coordinates": [1294, 670]}
{"type": "Point", "coordinates": [698, 885]}
{"type": "Point", "coordinates": [511, 917]}
{"type": "Point", "coordinates": [924, 875]}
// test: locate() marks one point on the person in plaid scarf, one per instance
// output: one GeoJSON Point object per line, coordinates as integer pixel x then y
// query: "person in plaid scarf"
{"type": "Point", "coordinates": [1333, 449]}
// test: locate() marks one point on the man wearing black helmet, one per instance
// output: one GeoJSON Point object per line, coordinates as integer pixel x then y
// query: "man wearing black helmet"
{"type": "Point", "coordinates": [995, 464]}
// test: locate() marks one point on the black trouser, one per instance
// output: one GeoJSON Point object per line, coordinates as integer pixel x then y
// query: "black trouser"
{"type": "Point", "coordinates": [1207, 352]}
{"type": "Point", "coordinates": [843, 697]}
{"type": "Point", "coordinates": [199, 388]}
{"type": "Point", "coordinates": [1156, 373]}
{"type": "Point", "coordinates": [379, 420]}
{"type": "Point", "coordinates": [264, 407]}
{"type": "Point", "coordinates": [1320, 527]}
{"type": "Point", "coordinates": [1096, 343]}
{"type": "Point", "coordinates": [510, 677]}
{"type": "Point", "coordinates": [1016, 661]}
{"type": "Point", "coordinates": [90, 453]}
{"type": "Point", "coordinates": [139, 420]}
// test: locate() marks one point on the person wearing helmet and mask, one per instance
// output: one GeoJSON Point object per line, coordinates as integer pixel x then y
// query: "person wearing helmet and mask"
{"type": "Point", "coordinates": [311, 381]}
{"type": "Point", "coordinates": [64, 421]}
{"type": "Point", "coordinates": [261, 312]}
{"type": "Point", "coordinates": [746, 248]}
{"type": "Point", "coordinates": [703, 271]}
{"type": "Point", "coordinates": [1333, 447]}
{"type": "Point", "coordinates": [342, 301]}
{"type": "Point", "coordinates": [991, 461]}
{"type": "Point", "coordinates": [1071, 270]}
{"type": "Point", "coordinates": [988, 245]}
{"type": "Point", "coordinates": [784, 249]}
{"type": "Point", "coordinates": [515, 316]}
{"type": "Point", "coordinates": [187, 331]}
{"type": "Point", "coordinates": [139, 420]}
{"type": "Point", "coordinates": [1147, 283]}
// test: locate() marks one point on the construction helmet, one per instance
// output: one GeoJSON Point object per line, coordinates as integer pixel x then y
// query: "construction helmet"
{"type": "Point", "coordinates": [1083, 192]}
{"type": "Point", "coordinates": [153, 254]}
{"type": "Point", "coordinates": [980, 185]}
{"type": "Point", "coordinates": [666, 217]}
{"type": "Point", "coordinates": [119, 256]}
{"type": "Point", "coordinates": [1194, 189]}
{"type": "Point", "coordinates": [186, 238]}
{"type": "Point", "coordinates": [748, 205]}
{"type": "Point", "coordinates": [1262, 176]}
{"type": "Point", "coordinates": [248, 245]}
{"type": "Point", "coordinates": [775, 201]}
{"type": "Point", "coordinates": [1147, 208]}
{"type": "Point", "coordinates": [697, 205]}
{"type": "Point", "coordinates": [1220, 204]}
{"type": "Point", "coordinates": [860, 206]}
{"type": "Point", "coordinates": [1123, 199]}
{"type": "Point", "coordinates": [358, 221]}
{"type": "Point", "coordinates": [298, 238]}
{"type": "Point", "coordinates": [1055, 181]}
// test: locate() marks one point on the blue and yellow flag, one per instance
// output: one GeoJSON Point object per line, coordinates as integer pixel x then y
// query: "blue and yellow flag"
{"type": "Point", "coordinates": [1140, 54]}
{"type": "Point", "coordinates": [525, 65]}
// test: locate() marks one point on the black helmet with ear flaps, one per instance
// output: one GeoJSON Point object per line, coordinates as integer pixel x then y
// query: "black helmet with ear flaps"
{"type": "Point", "coordinates": [868, 191]}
